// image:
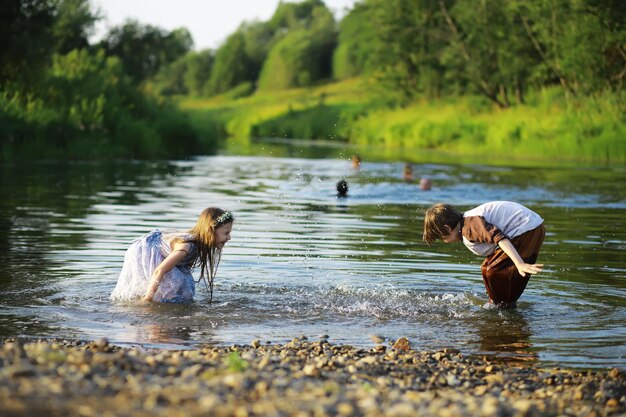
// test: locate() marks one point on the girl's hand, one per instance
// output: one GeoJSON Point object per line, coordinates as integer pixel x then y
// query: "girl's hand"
{"type": "Point", "coordinates": [177, 255]}
{"type": "Point", "coordinates": [145, 299]}
{"type": "Point", "coordinates": [524, 268]}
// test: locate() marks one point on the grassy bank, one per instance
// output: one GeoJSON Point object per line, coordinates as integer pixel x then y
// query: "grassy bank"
{"type": "Point", "coordinates": [547, 128]}
{"type": "Point", "coordinates": [31, 129]}
{"type": "Point", "coordinates": [85, 107]}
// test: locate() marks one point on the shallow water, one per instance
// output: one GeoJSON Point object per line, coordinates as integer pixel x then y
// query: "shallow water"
{"type": "Point", "coordinates": [303, 262]}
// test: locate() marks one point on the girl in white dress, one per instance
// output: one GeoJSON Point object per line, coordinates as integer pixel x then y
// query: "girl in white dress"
{"type": "Point", "coordinates": [157, 266]}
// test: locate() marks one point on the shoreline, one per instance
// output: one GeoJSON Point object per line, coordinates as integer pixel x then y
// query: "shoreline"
{"type": "Point", "coordinates": [298, 378]}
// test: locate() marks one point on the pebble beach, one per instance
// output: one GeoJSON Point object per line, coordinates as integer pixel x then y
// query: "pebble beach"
{"type": "Point", "coordinates": [301, 378]}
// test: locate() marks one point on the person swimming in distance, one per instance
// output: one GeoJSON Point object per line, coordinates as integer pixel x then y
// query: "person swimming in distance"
{"type": "Point", "coordinates": [407, 173]}
{"type": "Point", "coordinates": [342, 188]}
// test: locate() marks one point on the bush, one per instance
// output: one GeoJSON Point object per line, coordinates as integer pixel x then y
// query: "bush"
{"type": "Point", "coordinates": [320, 122]}
{"type": "Point", "coordinates": [87, 108]}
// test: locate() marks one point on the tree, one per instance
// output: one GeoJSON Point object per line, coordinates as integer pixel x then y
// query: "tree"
{"type": "Point", "coordinates": [32, 30]}
{"type": "Point", "coordinates": [170, 79]}
{"type": "Point", "coordinates": [231, 67]}
{"type": "Point", "coordinates": [293, 16]}
{"type": "Point", "coordinates": [488, 39]}
{"type": "Point", "coordinates": [304, 54]}
{"type": "Point", "coordinates": [581, 43]}
{"type": "Point", "coordinates": [27, 42]}
{"type": "Point", "coordinates": [199, 66]}
{"type": "Point", "coordinates": [611, 15]}
{"type": "Point", "coordinates": [407, 57]}
{"type": "Point", "coordinates": [82, 87]}
{"type": "Point", "coordinates": [356, 43]}
{"type": "Point", "coordinates": [258, 39]}
{"type": "Point", "coordinates": [74, 21]}
{"type": "Point", "coordinates": [143, 50]}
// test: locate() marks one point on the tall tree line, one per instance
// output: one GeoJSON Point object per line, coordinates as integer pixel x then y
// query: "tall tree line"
{"type": "Point", "coordinates": [60, 93]}
{"type": "Point", "coordinates": [294, 48]}
{"type": "Point", "coordinates": [497, 48]}
{"type": "Point", "coordinates": [57, 86]}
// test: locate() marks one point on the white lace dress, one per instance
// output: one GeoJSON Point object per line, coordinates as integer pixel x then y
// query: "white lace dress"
{"type": "Point", "coordinates": [142, 258]}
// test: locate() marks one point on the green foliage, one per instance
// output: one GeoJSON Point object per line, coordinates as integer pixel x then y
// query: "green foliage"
{"type": "Point", "coordinates": [32, 30]}
{"type": "Point", "coordinates": [88, 108]}
{"type": "Point", "coordinates": [547, 128]}
{"type": "Point", "coordinates": [74, 21]}
{"type": "Point", "coordinates": [22, 122]}
{"type": "Point", "coordinates": [529, 78]}
{"type": "Point", "coordinates": [319, 122]}
{"type": "Point", "coordinates": [577, 42]}
{"type": "Point", "coordinates": [288, 64]}
{"type": "Point", "coordinates": [231, 67]}
{"type": "Point", "coordinates": [293, 16]}
{"type": "Point", "coordinates": [258, 40]}
{"type": "Point", "coordinates": [411, 39]}
{"type": "Point", "coordinates": [235, 363]}
{"type": "Point", "coordinates": [240, 91]}
{"type": "Point", "coordinates": [245, 53]}
{"type": "Point", "coordinates": [25, 30]}
{"type": "Point", "coordinates": [144, 49]}
{"type": "Point", "coordinates": [550, 129]}
{"type": "Point", "coordinates": [303, 56]}
{"type": "Point", "coordinates": [186, 75]}
{"type": "Point", "coordinates": [61, 102]}
{"type": "Point", "coordinates": [500, 49]}
{"type": "Point", "coordinates": [487, 38]}
{"type": "Point", "coordinates": [356, 43]}
{"type": "Point", "coordinates": [80, 85]}
{"type": "Point", "coordinates": [199, 65]}
{"type": "Point", "coordinates": [170, 80]}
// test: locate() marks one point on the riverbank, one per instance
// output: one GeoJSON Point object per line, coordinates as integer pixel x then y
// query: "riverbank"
{"type": "Point", "coordinates": [300, 378]}
{"type": "Point", "coordinates": [547, 127]}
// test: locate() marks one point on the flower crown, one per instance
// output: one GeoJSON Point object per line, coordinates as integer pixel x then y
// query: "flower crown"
{"type": "Point", "coordinates": [223, 218]}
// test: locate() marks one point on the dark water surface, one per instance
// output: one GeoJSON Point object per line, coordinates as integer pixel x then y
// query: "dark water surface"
{"type": "Point", "coordinates": [303, 262]}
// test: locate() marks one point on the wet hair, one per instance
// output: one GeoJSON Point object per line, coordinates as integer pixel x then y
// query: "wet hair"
{"type": "Point", "coordinates": [203, 234]}
{"type": "Point", "coordinates": [437, 218]}
{"type": "Point", "coordinates": [342, 188]}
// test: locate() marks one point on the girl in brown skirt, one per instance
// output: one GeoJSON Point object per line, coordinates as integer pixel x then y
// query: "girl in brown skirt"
{"type": "Point", "coordinates": [508, 234]}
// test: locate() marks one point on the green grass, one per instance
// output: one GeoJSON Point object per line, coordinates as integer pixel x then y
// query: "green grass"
{"type": "Point", "coordinates": [547, 128]}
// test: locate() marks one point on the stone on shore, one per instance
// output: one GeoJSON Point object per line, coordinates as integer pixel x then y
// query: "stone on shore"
{"type": "Point", "coordinates": [299, 378]}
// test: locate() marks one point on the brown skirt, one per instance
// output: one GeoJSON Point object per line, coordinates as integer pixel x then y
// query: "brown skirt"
{"type": "Point", "coordinates": [504, 284]}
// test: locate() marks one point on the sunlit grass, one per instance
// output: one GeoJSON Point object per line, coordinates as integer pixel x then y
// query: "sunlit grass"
{"type": "Point", "coordinates": [547, 127]}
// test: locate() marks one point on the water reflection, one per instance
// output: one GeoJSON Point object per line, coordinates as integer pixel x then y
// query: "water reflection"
{"type": "Point", "coordinates": [161, 324]}
{"type": "Point", "coordinates": [505, 337]}
{"type": "Point", "coordinates": [42, 207]}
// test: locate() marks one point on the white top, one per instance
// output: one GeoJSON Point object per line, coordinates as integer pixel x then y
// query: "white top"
{"type": "Point", "coordinates": [513, 219]}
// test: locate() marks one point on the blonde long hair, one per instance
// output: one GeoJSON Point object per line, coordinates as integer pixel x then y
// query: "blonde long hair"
{"type": "Point", "coordinates": [203, 234]}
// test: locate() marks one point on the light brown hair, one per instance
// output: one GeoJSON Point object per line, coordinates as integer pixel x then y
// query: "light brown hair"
{"type": "Point", "coordinates": [437, 218]}
{"type": "Point", "coordinates": [203, 233]}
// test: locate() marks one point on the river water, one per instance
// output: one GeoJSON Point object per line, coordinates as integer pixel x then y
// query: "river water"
{"type": "Point", "coordinates": [303, 262]}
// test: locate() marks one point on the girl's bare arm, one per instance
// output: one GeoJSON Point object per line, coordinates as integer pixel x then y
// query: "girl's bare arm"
{"type": "Point", "coordinates": [522, 267]}
{"type": "Point", "coordinates": [180, 250]}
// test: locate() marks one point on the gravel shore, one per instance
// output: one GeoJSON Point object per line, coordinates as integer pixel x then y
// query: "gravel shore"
{"type": "Point", "coordinates": [300, 378]}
